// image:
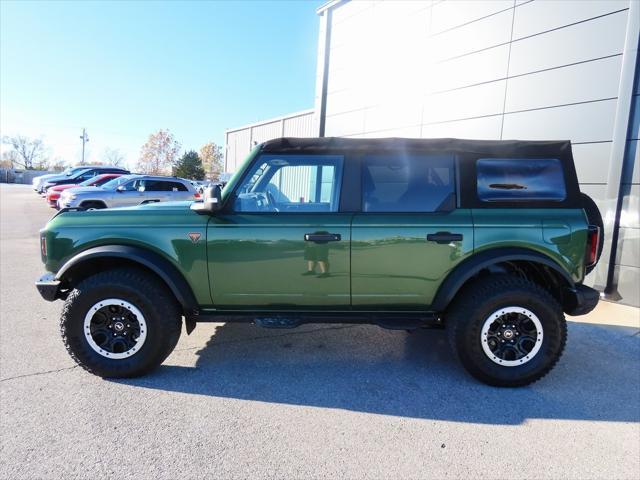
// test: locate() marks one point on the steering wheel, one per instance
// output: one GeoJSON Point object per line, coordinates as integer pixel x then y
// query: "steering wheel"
{"type": "Point", "coordinates": [271, 201]}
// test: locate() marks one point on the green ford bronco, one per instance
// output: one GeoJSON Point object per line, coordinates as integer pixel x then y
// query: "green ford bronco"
{"type": "Point", "coordinates": [490, 240]}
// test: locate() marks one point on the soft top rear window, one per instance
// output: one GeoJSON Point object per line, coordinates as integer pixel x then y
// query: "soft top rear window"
{"type": "Point", "coordinates": [520, 180]}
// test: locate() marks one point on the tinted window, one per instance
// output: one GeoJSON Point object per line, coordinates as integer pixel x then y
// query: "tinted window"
{"type": "Point", "coordinates": [291, 183]}
{"type": "Point", "coordinates": [520, 179]}
{"type": "Point", "coordinates": [132, 186]}
{"type": "Point", "coordinates": [408, 183]}
{"type": "Point", "coordinates": [157, 186]}
{"type": "Point", "coordinates": [176, 187]}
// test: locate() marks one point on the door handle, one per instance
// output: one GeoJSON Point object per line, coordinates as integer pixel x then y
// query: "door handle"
{"type": "Point", "coordinates": [444, 237]}
{"type": "Point", "coordinates": [322, 237]}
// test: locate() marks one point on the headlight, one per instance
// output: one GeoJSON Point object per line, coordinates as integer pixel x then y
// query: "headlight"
{"type": "Point", "coordinates": [73, 196]}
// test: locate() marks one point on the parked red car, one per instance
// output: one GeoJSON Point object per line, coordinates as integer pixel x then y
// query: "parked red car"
{"type": "Point", "coordinates": [53, 193]}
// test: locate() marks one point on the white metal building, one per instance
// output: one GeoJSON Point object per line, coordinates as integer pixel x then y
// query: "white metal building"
{"type": "Point", "coordinates": [491, 69]}
{"type": "Point", "coordinates": [239, 141]}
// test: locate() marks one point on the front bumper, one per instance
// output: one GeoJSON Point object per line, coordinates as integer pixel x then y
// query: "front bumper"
{"type": "Point", "coordinates": [49, 287]}
{"type": "Point", "coordinates": [580, 300]}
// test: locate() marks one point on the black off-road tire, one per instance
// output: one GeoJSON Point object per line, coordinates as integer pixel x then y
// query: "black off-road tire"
{"type": "Point", "coordinates": [594, 218]}
{"type": "Point", "coordinates": [148, 294]}
{"type": "Point", "coordinates": [476, 302]}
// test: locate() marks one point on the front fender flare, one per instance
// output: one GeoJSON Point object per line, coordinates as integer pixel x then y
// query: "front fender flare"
{"type": "Point", "coordinates": [151, 260]}
{"type": "Point", "coordinates": [470, 267]}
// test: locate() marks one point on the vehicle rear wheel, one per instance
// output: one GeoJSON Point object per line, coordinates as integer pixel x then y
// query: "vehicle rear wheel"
{"type": "Point", "coordinates": [120, 323]}
{"type": "Point", "coordinates": [506, 331]}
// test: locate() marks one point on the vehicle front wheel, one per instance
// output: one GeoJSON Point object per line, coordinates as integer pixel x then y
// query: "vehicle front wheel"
{"type": "Point", "coordinates": [506, 331]}
{"type": "Point", "coordinates": [120, 323]}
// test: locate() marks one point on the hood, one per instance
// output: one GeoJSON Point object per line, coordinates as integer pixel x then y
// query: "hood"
{"type": "Point", "coordinates": [154, 214]}
{"type": "Point", "coordinates": [80, 190]}
{"type": "Point", "coordinates": [41, 178]}
{"type": "Point", "coordinates": [59, 188]}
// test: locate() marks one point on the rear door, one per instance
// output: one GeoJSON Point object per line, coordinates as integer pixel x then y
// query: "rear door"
{"type": "Point", "coordinates": [410, 233]}
{"type": "Point", "coordinates": [156, 191]}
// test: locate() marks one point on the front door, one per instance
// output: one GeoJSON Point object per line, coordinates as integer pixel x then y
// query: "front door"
{"type": "Point", "coordinates": [410, 234]}
{"type": "Point", "coordinates": [281, 241]}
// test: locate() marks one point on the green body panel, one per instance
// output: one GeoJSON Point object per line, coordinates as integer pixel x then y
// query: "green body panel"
{"type": "Point", "coordinates": [162, 228]}
{"type": "Point", "coordinates": [258, 260]}
{"type": "Point", "coordinates": [560, 234]}
{"type": "Point", "coordinates": [395, 267]}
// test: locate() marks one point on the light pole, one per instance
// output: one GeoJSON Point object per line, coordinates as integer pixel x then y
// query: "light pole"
{"type": "Point", "coordinates": [85, 138]}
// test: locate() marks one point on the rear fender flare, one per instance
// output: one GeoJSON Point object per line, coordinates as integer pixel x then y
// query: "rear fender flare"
{"type": "Point", "coordinates": [472, 266]}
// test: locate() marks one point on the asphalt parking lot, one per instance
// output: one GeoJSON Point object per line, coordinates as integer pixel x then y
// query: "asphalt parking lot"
{"type": "Point", "coordinates": [315, 402]}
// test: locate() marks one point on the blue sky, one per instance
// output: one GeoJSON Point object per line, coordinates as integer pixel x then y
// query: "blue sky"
{"type": "Point", "coordinates": [124, 69]}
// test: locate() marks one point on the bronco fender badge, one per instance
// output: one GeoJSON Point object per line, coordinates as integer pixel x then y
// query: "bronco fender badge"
{"type": "Point", "coordinates": [194, 236]}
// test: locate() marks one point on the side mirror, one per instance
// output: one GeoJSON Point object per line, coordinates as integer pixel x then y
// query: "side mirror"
{"type": "Point", "coordinates": [211, 202]}
{"type": "Point", "coordinates": [120, 188]}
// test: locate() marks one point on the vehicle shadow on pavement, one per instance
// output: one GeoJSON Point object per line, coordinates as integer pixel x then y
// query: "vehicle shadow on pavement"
{"type": "Point", "coordinates": [368, 369]}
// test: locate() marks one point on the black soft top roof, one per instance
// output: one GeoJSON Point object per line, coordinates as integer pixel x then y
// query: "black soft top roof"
{"type": "Point", "coordinates": [556, 148]}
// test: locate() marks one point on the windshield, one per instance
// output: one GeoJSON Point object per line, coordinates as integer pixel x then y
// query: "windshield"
{"type": "Point", "coordinates": [88, 182]}
{"type": "Point", "coordinates": [114, 183]}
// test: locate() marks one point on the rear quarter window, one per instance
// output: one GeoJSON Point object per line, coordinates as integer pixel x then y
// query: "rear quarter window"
{"type": "Point", "coordinates": [520, 180]}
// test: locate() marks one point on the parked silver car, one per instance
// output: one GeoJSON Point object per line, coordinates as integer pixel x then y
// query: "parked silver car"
{"type": "Point", "coordinates": [129, 190]}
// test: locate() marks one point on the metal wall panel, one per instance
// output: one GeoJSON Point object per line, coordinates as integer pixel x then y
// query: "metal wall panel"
{"type": "Point", "coordinates": [483, 66]}
{"type": "Point", "coordinates": [586, 122]}
{"type": "Point", "coordinates": [447, 15]}
{"type": "Point", "coordinates": [628, 253]}
{"type": "Point", "coordinates": [240, 141]}
{"type": "Point", "coordinates": [487, 32]}
{"type": "Point", "coordinates": [486, 128]}
{"type": "Point", "coordinates": [464, 103]}
{"type": "Point", "coordinates": [628, 279]}
{"type": "Point", "coordinates": [565, 85]}
{"type": "Point", "coordinates": [266, 131]}
{"type": "Point", "coordinates": [592, 161]}
{"type": "Point", "coordinates": [238, 147]}
{"type": "Point", "coordinates": [541, 16]}
{"type": "Point", "coordinates": [576, 43]}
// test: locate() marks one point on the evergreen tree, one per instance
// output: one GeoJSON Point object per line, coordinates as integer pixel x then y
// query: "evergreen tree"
{"type": "Point", "coordinates": [189, 166]}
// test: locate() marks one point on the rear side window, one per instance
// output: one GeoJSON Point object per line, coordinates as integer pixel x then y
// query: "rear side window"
{"type": "Point", "coordinates": [520, 179]}
{"type": "Point", "coordinates": [156, 186]}
{"type": "Point", "coordinates": [408, 183]}
{"type": "Point", "coordinates": [177, 187]}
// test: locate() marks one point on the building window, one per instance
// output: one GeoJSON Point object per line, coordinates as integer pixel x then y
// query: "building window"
{"type": "Point", "coordinates": [408, 183]}
{"type": "Point", "coordinates": [520, 180]}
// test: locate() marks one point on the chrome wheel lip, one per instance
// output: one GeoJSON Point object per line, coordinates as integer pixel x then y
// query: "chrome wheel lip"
{"type": "Point", "coordinates": [496, 315]}
{"type": "Point", "coordinates": [119, 303]}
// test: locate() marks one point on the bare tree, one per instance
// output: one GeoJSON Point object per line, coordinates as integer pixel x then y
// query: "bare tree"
{"type": "Point", "coordinates": [9, 159]}
{"type": "Point", "coordinates": [57, 164]}
{"type": "Point", "coordinates": [28, 151]}
{"type": "Point", "coordinates": [159, 153]}
{"type": "Point", "coordinates": [113, 157]}
{"type": "Point", "coordinates": [211, 156]}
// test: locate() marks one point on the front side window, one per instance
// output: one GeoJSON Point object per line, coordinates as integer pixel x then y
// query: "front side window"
{"type": "Point", "coordinates": [408, 183]}
{"type": "Point", "coordinates": [291, 183]}
{"type": "Point", "coordinates": [520, 179]}
{"type": "Point", "coordinates": [132, 186]}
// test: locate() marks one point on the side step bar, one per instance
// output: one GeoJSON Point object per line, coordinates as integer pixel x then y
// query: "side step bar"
{"type": "Point", "coordinates": [389, 320]}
